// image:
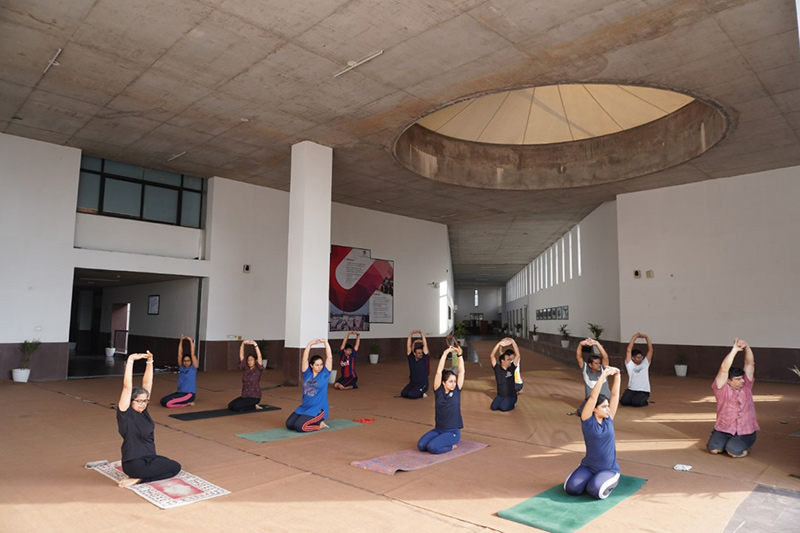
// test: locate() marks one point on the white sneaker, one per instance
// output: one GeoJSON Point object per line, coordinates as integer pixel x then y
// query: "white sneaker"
{"type": "Point", "coordinates": [424, 394]}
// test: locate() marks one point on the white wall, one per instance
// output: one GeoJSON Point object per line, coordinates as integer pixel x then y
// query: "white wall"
{"type": "Point", "coordinates": [246, 224]}
{"type": "Point", "coordinates": [490, 300]}
{"type": "Point", "coordinates": [177, 308]}
{"type": "Point", "coordinates": [38, 194]}
{"type": "Point", "coordinates": [594, 295]}
{"type": "Point", "coordinates": [421, 254]}
{"type": "Point", "coordinates": [725, 254]}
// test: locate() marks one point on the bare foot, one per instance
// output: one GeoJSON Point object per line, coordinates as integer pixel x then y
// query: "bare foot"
{"type": "Point", "coordinates": [455, 446]}
{"type": "Point", "coordinates": [190, 403]}
{"type": "Point", "coordinates": [258, 407]}
{"type": "Point", "coordinates": [128, 482]}
{"type": "Point", "coordinates": [323, 425]}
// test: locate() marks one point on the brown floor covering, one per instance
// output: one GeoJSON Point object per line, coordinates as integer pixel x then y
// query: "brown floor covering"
{"type": "Point", "coordinates": [51, 429]}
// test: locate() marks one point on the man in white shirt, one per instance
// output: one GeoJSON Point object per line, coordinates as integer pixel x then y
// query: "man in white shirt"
{"type": "Point", "coordinates": [638, 367]}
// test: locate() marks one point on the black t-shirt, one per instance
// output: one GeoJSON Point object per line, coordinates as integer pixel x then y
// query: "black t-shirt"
{"type": "Point", "coordinates": [448, 409]}
{"type": "Point", "coordinates": [505, 380]}
{"type": "Point", "coordinates": [137, 434]}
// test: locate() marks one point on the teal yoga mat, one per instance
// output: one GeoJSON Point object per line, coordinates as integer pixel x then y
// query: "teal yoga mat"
{"type": "Point", "coordinates": [270, 435]}
{"type": "Point", "coordinates": [556, 511]}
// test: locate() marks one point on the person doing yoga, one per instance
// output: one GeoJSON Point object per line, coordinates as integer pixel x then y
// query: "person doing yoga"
{"type": "Point", "coordinates": [736, 426]}
{"type": "Point", "coordinates": [314, 408]}
{"type": "Point", "coordinates": [347, 361]}
{"type": "Point", "coordinates": [187, 378]}
{"type": "Point", "coordinates": [251, 376]}
{"type": "Point", "coordinates": [418, 366]}
{"type": "Point", "coordinates": [447, 392]}
{"type": "Point", "coordinates": [598, 473]}
{"type": "Point", "coordinates": [638, 367]}
{"type": "Point", "coordinates": [139, 459]}
{"type": "Point", "coordinates": [504, 372]}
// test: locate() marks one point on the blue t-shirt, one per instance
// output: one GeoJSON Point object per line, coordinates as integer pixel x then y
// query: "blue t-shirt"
{"type": "Point", "coordinates": [418, 369]}
{"type": "Point", "coordinates": [187, 379]}
{"type": "Point", "coordinates": [315, 393]}
{"type": "Point", "coordinates": [448, 409]}
{"type": "Point", "coordinates": [601, 450]}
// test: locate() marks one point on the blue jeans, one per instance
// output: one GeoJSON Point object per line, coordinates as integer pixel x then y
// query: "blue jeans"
{"type": "Point", "coordinates": [439, 441]}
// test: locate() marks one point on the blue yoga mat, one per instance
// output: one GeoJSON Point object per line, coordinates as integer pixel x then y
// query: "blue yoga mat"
{"type": "Point", "coordinates": [556, 511]}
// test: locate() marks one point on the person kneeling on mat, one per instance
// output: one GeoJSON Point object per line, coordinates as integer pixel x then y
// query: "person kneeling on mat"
{"type": "Point", "coordinates": [638, 367]}
{"type": "Point", "coordinates": [251, 376]}
{"type": "Point", "coordinates": [139, 459]}
{"type": "Point", "coordinates": [187, 378]}
{"type": "Point", "coordinates": [599, 472]}
{"type": "Point", "coordinates": [314, 408]}
{"type": "Point", "coordinates": [504, 372]}
{"type": "Point", "coordinates": [418, 367]}
{"type": "Point", "coordinates": [347, 361]}
{"type": "Point", "coordinates": [447, 391]}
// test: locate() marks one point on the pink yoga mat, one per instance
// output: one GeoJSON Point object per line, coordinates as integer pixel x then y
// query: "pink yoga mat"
{"type": "Point", "coordinates": [414, 459]}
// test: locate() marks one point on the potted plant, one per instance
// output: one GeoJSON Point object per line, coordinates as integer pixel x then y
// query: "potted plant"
{"type": "Point", "coordinates": [460, 333]}
{"type": "Point", "coordinates": [21, 374]}
{"type": "Point", "coordinates": [535, 333]}
{"type": "Point", "coordinates": [596, 330]}
{"type": "Point", "coordinates": [518, 327]}
{"type": "Point", "coordinates": [564, 330]}
{"type": "Point", "coordinates": [374, 352]}
{"type": "Point", "coordinates": [680, 366]}
{"type": "Point", "coordinates": [110, 350]}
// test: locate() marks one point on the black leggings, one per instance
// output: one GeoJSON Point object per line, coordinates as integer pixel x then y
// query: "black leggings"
{"type": "Point", "coordinates": [151, 468]}
{"type": "Point", "coordinates": [305, 423]}
{"type": "Point", "coordinates": [241, 405]}
{"type": "Point", "coordinates": [414, 391]}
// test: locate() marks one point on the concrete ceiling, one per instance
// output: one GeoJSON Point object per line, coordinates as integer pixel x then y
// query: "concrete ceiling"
{"type": "Point", "coordinates": [142, 80]}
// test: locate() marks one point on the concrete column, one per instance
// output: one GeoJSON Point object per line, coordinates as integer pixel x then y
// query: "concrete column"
{"type": "Point", "coordinates": [309, 250]}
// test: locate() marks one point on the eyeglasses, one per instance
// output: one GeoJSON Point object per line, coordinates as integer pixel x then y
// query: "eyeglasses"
{"type": "Point", "coordinates": [142, 401]}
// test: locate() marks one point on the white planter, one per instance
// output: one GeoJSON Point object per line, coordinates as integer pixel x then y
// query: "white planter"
{"type": "Point", "coordinates": [110, 352]}
{"type": "Point", "coordinates": [564, 343]}
{"type": "Point", "coordinates": [535, 338]}
{"type": "Point", "coordinates": [462, 341]}
{"type": "Point", "coordinates": [680, 370]}
{"type": "Point", "coordinates": [20, 375]}
{"type": "Point", "coordinates": [373, 358]}
{"type": "Point", "coordinates": [332, 377]}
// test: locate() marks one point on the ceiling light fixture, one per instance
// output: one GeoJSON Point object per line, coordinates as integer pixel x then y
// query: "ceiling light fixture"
{"type": "Point", "coordinates": [353, 64]}
{"type": "Point", "coordinates": [174, 157]}
{"type": "Point", "coordinates": [52, 62]}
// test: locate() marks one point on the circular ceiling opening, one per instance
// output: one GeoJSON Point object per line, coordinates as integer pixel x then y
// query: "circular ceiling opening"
{"type": "Point", "coordinates": [559, 136]}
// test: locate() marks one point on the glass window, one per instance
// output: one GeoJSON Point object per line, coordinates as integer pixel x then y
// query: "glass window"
{"type": "Point", "coordinates": [162, 176]}
{"type": "Point", "coordinates": [91, 163]}
{"type": "Point", "coordinates": [160, 204]}
{"type": "Point", "coordinates": [89, 192]}
{"type": "Point", "coordinates": [190, 182]}
{"type": "Point", "coordinates": [122, 197]}
{"type": "Point", "coordinates": [476, 297]}
{"type": "Point", "coordinates": [124, 169]}
{"type": "Point", "coordinates": [190, 209]}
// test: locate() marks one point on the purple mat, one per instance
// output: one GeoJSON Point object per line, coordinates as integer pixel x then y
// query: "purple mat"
{"type": "Point", "coordinates": [414, 459]}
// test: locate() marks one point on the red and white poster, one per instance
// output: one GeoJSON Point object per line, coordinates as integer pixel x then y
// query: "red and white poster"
{"type": "Point", "coordinates": [361, 291]}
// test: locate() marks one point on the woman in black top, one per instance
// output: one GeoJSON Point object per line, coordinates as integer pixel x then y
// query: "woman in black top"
{"type": "Point", "coordinates": [447, 392]}
{"type": "Point", "coordinates": [139, 459]}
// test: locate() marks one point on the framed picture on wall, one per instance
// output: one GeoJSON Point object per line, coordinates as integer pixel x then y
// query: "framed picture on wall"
{"type": "Point", "coordinates": [566, 312]}
{"type": "Point", "coordinates": [153, 304]}
{"type": "Point", "coordinates": [560, 313]}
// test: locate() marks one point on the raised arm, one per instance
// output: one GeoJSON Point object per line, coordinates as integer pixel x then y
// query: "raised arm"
{"type": "Point", "coordinates": [493, 355]}
{"type": "Point", "coordinates": [358, 340]}
{"type": "Point", "coordinates": [613, 402]}
{"type": "Point", "coordinates": [517, 355]}
{"type": "Point", "coordinates": [649, 355]}
{"type": "Point", "coordinates": [462, 370]}
{"type": "Point", "coordinates": [328, 355]}
{"type": "Point", "coordinates": [437, 379]}
{"type": "Point", "coordinates": [180, 351]}
{"type": "Point", "coordinates": [344, 340]}
{"type": "Point", "coordinates": [259, 359]}
{"type": "Point", "coordinates": [147, 379]}
{"type": "Point", "coordinates": [193, 355]}
{"type": "Point", "coordinates": [306, 352]}
{"type": "Point", "coordinates": [424, 341]}
{"type": "Point", "coordinates": [603, 353]}
{"type": "Point", "coordinates": [722, 373]}
{"type": "Point", "coordinates": [127, 381]}
{"type": "Point", "coordinates": [749, 360]}
{"type": "Point", "coordinates": [410, 342]}
{"type": "Point", "coordinates": [628, 352]}
{"type": "Point", "coordinates": [579, 352]}
{"type": "Point", "coordinates": [241, 351]}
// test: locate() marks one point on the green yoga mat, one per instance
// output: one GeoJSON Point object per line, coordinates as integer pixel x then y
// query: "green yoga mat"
{"type": "Point", "coordinates": [556, 511]}
{"type": "Point", "coordinates": [270, 435]}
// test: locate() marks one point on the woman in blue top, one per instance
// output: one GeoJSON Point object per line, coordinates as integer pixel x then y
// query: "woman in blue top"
{"type": "Point", "coordinates": [314, 409]}
{"type": "Point", "coordinates": [599, 472]}
{"type": "Point", "coordinates": [187, 378]}
{"type": "Point", "coordinates": [447, 392]}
